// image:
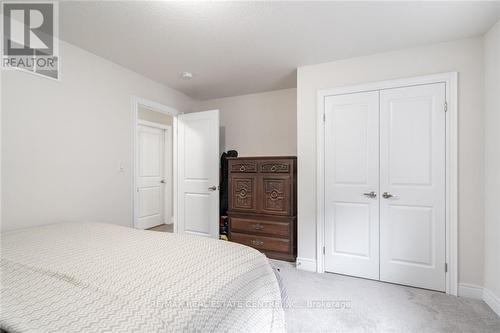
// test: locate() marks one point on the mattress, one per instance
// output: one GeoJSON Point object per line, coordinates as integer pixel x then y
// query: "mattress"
{"type": "Point", "coordinates": [91, 277]}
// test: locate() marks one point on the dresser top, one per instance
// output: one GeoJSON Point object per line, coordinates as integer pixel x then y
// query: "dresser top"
{"type": "Point", "coordinates": [263, 158]}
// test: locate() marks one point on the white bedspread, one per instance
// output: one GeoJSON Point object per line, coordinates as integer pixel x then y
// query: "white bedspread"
{"type": "Point", "coordinates": [79, 277]}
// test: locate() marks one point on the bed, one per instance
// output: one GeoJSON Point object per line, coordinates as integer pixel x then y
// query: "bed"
{"type": "Point", "coordinates": [91, 277]}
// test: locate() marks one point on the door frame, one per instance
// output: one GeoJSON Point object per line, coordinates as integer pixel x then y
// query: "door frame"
{"type": "Point", "coordinates": [160, 108]}
{"type": "Point", "coordinates": [451, 204]}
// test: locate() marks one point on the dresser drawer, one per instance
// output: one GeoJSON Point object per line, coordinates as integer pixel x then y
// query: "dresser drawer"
{"type": "Point", "coordinates": [275, 166]}
{"type": "Point", "coordinates": [243, 166]}
{"type": "Point", "coordinates": [261, 242]}
{"type": "Point", "coordinates": [260, 227]}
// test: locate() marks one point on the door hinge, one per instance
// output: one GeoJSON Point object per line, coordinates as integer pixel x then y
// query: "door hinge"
{"type": "Point", "coordinates": [323, 250]}
{"type": "Point", "coordinates": [324, 117]}
{"type": "Point", "coordinates": [445, 106]}
{"type": "Point", "coordinates": [446, 267]}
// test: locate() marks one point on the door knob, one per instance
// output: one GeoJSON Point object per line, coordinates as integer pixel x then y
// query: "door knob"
{"type": "Point", "coordinates": [387, 195]}
{"type": "Point", "coordinates": [371, 194]}
{"type": "Point", "coordinates": [212, 188]}
{"type": "Point", "coordinates": [163, 181]}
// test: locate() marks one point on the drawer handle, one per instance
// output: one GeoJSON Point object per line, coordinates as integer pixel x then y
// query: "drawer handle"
{"type": "Point", "coordinates": [258, 226]}
{"type": "Point", "coordinates": [242, 168]}
{"type": "Point", "coordinates": [257, 242]}
{"type": "Point", "coordinates": [273, 168]}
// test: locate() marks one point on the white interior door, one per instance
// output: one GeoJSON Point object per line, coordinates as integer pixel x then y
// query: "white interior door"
{"type": "Point", "coordinates": [351, 184]}
{"type": "Point", "coordinates": [412, 182]}
{"type": "Point", "coordinates": [198, 173]}
{"type": "Point", "coordinates": [150, 176]}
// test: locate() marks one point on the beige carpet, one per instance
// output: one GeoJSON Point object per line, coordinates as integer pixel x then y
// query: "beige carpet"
{"type": "Point", "coordinates": [347, 304]}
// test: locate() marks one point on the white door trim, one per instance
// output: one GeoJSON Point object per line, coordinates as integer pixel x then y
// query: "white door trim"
{"type": "Point", "coordinates": [451, 80]}
{"type": "Point", "coordinates": [157, 107]}
{"type": "Point", "coordinates": [153, 124]}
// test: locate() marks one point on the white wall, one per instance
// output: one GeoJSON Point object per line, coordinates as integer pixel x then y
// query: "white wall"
{"type": "Point", "coordinates": [463, 56]}
{"type": "Point", "coordinates": [62, 141]}
{"type": "Point", "coordinates": [492, 159]}
{"type": "Point", "coordinates": [258, 124]}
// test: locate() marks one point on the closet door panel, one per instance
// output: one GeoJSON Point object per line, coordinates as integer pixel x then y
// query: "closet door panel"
{"type": "Point", "coordinates": [412, 174]}
{"type": "Point", "coordinates": [351, 175]}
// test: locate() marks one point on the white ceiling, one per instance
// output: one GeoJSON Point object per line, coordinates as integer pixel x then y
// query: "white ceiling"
{"type": "Point", "coordinates": [236, 48]}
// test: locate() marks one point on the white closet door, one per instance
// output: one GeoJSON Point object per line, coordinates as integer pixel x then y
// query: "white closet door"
{"type": "Point", "coordinates": [351, 174]}
{"type": "Point", "coordinates": [412, 185]}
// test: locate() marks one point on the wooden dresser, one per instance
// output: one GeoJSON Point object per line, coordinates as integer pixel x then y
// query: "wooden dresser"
{"type": "Point", "coordinates": [263, 204]}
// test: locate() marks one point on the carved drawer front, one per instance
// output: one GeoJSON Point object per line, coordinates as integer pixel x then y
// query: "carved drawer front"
{"type": "Point", "coordinates": [243, 166]}
{"type": "Point", "coordinates": [276, 195]}
{"type": "Point", "coordinates": [261, 242]}
{"type": "Point", "coordinates": [243, 193]}
{"type": "Point", "coordinates": [275, 166]}
{"type": "Point", "coordinates": [258, 227]}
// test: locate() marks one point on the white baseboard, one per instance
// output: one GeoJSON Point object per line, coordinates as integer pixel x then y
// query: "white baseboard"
{"type": "Point", "coordinates": [478, 292]}
{"type": "Point", "coordinates": [492, 300]}
{"type": "Point", "coordinates": [470, 291]}
{"type": "Point", "coordinates": [306, 264]}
